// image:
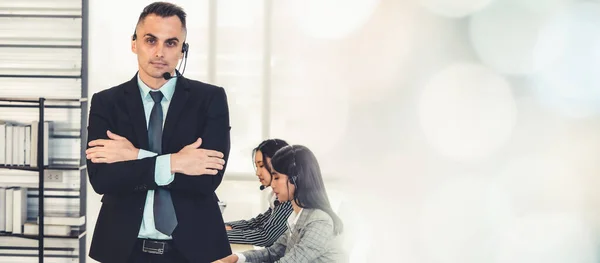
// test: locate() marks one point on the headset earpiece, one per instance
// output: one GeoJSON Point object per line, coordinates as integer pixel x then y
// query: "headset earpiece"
{"type": "Point", "coordinates": [185, 48]}
{"type": "Point", "coordinates": [292, 179]}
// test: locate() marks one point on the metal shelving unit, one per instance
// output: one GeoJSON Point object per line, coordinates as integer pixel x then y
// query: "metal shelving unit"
{"type": "Point", "coordinates": [40, 104]}
{"type": "Point", "coordinates": [45, 103]}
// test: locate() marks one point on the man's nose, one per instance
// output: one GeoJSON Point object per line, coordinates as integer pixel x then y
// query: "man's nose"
{"type": "Point", "coordinates": [159, 51]}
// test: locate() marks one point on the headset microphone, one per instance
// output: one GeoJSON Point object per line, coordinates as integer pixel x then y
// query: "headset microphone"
{"type": "Point", "coordinates": [262, 187]}
{"type": "Point", "coordinates": [167, 76]}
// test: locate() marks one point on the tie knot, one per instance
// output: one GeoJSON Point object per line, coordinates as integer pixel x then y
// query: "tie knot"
{"type": "Point", "coordinates": [156, 96]}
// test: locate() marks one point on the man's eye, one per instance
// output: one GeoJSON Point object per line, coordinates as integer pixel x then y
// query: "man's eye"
{"type": "Point", "coordinates": [171, 44]}
{"type": "Point", "coordinates": [150, 40]}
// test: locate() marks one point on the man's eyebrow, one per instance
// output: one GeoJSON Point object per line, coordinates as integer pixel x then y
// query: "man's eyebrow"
{"type": "Point", "coordinates": [150, 35]}
{"type": "Point", "coordinates": [170, 39]}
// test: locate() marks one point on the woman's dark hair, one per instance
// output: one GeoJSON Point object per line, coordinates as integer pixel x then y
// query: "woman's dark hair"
{"type": "Point", "coordinates": [268, 148]}
{"type": "Point", "coordinates": [302, 169]}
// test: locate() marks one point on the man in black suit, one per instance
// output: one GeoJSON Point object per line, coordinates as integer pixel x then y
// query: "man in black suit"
{"type": "Point", "coordinates": [144, 154]}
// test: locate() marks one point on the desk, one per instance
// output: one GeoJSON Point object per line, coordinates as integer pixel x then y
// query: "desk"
{"type": "Point", "coordinates": [241, 247]}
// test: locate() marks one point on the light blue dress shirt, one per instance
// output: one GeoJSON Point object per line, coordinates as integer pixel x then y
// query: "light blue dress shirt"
{"type": "Point", "coordinates": [162, 173]}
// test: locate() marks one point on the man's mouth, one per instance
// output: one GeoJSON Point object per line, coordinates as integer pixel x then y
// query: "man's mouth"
{"type": "Point", "coordinates": [158, 64]}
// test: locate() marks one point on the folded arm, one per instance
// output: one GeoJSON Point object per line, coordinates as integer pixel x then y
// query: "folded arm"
{"type": "Point", "coordinates": [118, 177]}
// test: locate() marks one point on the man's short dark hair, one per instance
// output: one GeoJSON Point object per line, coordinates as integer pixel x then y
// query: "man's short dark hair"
{"type": "Point", "coordinates": [163, 9]}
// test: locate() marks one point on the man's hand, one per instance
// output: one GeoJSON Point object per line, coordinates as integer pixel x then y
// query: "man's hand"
{"type": "Point", "coordinates": [115, 149]}
{"type": "Point", "coordinates": [233, 258]}
{"type": "Point", "coordinates": [194, 162]}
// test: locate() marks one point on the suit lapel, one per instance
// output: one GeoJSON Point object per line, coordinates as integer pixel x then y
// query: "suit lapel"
{"type": "Point", "coordinates": [135, 109]}
{"type": "Point", "coordinates": [303, 217]}
{"type": "Point", "coordinates": [300, 225]}
{"type": "Point", "coordinates": [175, 107]}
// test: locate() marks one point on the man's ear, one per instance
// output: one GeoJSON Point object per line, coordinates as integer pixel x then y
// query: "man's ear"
{"type": "Point", "coordinates": [133, 46]}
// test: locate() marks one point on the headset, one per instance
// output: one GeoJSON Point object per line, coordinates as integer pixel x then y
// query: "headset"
{"type": "Point", "coordinates": [184, 49]}
{"type": "Point", "coordinates": [294, 178]}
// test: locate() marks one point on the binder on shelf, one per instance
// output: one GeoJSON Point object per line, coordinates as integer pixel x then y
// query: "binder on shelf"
{"type": "Point", "coordinates": [63, 220]}
{"type": "Point", "coordinates": [9, 210]}
{"type": "Point", "coordinates": [34, 142]}
{"type": "Point", "coordinates": [9, 144]}
{"type": "Point", "coordinates": [3, 142]}
{"type": "Point", "coordinates": [32, 228]}
{"type": "Point", "coordinates": [2, 209]}
{"type": "Point", "coordinates": [19, 209]}
{"type": "Point", "coordinates": [28, 145]}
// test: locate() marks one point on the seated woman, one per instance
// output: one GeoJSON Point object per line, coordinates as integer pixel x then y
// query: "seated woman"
{"type": "Point", "coordinates": [314, 229]}
{"type": "Point", "coordinates": [264, 229]}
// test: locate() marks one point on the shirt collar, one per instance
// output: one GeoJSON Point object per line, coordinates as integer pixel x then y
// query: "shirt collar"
{"type": "Point", "coordinates": [271, 196]}
{"type": "Point", "coordinates": [168, 89]}
{"type": "Point", "coordinates": [293, 218]}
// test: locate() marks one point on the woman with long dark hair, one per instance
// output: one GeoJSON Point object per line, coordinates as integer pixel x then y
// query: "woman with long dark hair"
{"type": "Point", "coordinates": [313, 228]}
{"type": "Point", "coordinates": [267, 227]}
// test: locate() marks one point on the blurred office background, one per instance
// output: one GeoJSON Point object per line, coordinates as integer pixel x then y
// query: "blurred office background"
{"type": "Point", "coordinates": [447, 130]}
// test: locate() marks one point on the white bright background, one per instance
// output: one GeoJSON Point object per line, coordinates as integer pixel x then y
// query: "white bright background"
{"type": "Point", "coordinates": [452, 130]}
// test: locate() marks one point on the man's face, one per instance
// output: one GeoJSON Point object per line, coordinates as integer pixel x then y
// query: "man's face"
{"type": "Point", "coordinates": [158, 45]}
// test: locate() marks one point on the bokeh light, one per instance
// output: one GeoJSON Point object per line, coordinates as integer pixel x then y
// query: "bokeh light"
{"type": "Point", "coordinates": [306, 118]}
{"type": "Point", "coordinates": [505, 34]}
{"type": "Point", "coordinates": [460, 220]}
{"type": "Point", "coordinates": [570, 84]}
{"type": "Point", "coordinates": [543, 183]}
{"type": "Point", "coordinates": [548, 238]}
{"type": "Point", "coordinates": [454, 8]}
{"type": "Point", "coordinates": [467, 111]}
{"type": "Point", "coordinates": [331, 19]}
{"type": "Point", "coordinates": [238, 13]}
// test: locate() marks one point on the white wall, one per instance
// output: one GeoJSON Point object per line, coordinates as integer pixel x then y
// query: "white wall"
{"type": "Point", "coordinates": [463, 131]}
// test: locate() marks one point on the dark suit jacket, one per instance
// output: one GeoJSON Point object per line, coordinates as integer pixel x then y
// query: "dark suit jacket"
{"type": "Point", "coordinates": [196, 110]}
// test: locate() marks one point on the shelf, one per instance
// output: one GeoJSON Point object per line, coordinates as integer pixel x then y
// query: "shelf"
{"type": "Point", "coordinates": [29, 74]}
{"type": "Point", "coordinates": [41, 76]}
{"type": "Point", "coordinates": [35, 106]}
{"type": "Point", "coordinates": [65, 137]}
{"type": "Point", "coordinates": [40, 16]}
{"type": "Point", "coordinates": [74, 235]}
{"type": "Point", "coordinates": [39, 46]}
{"type": "Point", "coordinates": [36, 248]}
{"type": "Point", "coordinates": [37, 100]}
{"type": "Point", "coordinates": [56, 103]}
{"type": "Point", "coordinates": [49, 167]}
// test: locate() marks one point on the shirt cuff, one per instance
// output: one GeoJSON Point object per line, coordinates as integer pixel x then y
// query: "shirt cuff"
{"type": "Point", "coordinates": [145, 154]}
{"type": "Point", "coordinates": [241, 258]}
{"type": "Point", "coordinates": [162, 171]}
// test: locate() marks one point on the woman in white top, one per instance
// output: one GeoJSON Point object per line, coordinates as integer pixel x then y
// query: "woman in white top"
{"type": "Point", "coordinates": [267, 227]}
{"type": "Point", "coordinates": [313, 234]}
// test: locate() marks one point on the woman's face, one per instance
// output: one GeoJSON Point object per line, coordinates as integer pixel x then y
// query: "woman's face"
{"type": "Point", "coordinates": [261, 168]}
{"type": "Point", "coordinates": [282, 188]}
